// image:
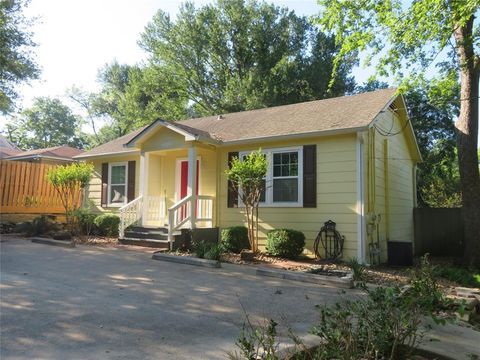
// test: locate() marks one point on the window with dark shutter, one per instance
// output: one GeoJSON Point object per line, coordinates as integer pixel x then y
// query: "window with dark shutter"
{"type": "Point", "coordinates": [131, 181]}
{"type": "Point", "coordinates": [104, 194]}
{"type": "Point", "coordinates": [310, 176]}
{"type": "Point", "coordinates": [232, 192]}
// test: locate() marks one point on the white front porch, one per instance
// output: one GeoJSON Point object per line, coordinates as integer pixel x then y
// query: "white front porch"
{"type": "Point", "coordinates": [168, 192]}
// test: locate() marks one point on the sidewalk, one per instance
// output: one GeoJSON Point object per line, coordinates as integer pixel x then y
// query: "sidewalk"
{"type": "Point", "coordinates": [457, 342]}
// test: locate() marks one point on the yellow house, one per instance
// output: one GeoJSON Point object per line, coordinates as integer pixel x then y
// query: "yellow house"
{"type": "Point", "coordinates": [350, 159]}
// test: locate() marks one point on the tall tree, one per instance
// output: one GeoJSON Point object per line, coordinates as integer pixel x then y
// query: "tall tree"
{"type": "Point", "coordinates": [47, 123]}
{"type": "Point", "coordinates": [130, 96]}
{"type": "Point", "coordinates": [438, 175]}
{"type": "Point", "coordinates": [16, 58]}
{"type": "Point", "coordinates": [235, 55]}
{"type": "Point", "coordinates": [410, 35]}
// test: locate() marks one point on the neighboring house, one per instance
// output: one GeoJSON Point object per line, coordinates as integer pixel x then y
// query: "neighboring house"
{"type": "Point", "coordinates": [53, 155]}
{"type": "Point", "coordinates": [7, 148]}
{"type": "Point", "coordinates": [350, 159]}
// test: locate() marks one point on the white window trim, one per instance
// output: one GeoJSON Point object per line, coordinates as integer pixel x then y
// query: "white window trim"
{"type": "Point", "coordinates": [269, 178]}
{"type": "Point", "coordinates": [110, 165]}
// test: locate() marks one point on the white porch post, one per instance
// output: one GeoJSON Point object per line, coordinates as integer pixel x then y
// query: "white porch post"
{"type": "Point", "coordinates": [192, 183]}
{"type": "Point", "coordinates": [143, 184]}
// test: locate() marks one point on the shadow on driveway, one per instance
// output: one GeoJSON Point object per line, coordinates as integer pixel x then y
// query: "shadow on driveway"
{"type": "Point", "coordinates": [107, 303]}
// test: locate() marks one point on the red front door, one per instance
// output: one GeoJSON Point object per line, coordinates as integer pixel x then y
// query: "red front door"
{"type": "Point", "coordinates": [184, 184]}
{"type": "Point", "coordinates": [184, 179]}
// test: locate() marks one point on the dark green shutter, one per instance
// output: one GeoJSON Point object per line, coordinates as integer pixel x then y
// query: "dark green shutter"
{"type": "Point", "coordinates": [131, 181]}
{"type": "Point", "coordinates": [232, 192]}
{"type": "Point", "coordinates": [310, 176]}
{"type": "Point", "coordinates": [104, 195]}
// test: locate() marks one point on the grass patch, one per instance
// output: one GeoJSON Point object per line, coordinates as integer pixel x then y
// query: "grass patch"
{"type": "Point", "coordinates": [463, 276]}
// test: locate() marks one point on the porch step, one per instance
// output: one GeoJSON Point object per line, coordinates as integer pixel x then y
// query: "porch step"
{"type": "Point", "coordinates": [160, 244]}
{"type": "Point", "coordinates": [153, 235]}
{"type": "Point", "coordinates": [145, 233]}
{"type": "Point", "coordinates": [156, 237]}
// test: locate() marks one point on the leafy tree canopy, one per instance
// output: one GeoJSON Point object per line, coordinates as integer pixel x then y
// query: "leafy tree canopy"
{"type": "Point", "coordinates": [405, 39]}
{"type": "Point", "coordinates": [235, 55]}
{"type": "Point", "coordinates": [47, 123]}
{"type": "Point", "coordinates": [16, 59]}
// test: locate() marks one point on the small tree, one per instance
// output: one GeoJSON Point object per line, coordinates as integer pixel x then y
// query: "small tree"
{"type": "Point", "coordinates": [247, 175]}
{"type": "Point", "coordinates": [69, 181]}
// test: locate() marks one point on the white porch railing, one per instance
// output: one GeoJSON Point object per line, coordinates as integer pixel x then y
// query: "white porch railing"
{"type": "Point", "coordinates": [205, 209]}
{"type": "Point", "coordinates": [129, 214]}
{"type": "Point", "coordinates": [180, 214]}
{"type": "Point", "coordinates": [149, 208]}
{"type": "Point", "coordinates": [153, 208]}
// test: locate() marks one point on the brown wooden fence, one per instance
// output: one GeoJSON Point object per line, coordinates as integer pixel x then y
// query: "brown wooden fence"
{"type": "Point", "coordinates": [438, 231]}
{"type": "Point", "coordinates": [24, 189]}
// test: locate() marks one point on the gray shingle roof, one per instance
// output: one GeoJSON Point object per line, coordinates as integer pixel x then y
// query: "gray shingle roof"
{"type": "Point", "coordinates": [341, 113]}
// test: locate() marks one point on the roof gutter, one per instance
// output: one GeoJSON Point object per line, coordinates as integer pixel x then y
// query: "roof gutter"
{"type": "Point", "coordinates": [295, 136]}
{"type": "Point", "coordinates": [39, 157]}
{"type": "Point", "coordinates": [116, 153]}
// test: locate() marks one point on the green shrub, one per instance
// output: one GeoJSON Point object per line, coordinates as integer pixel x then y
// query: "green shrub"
{"type": "Point", "coordinates": [214, 252]}
{"type": "Point", "coordinates": [201, 248]}
{"type": "Point", "coordinates": [107, 224]}
{"type": "Point", "coordinates": [357, 268]}
{"type": "Point", "coordinates": [424, 286]}
{"type": "Point", "coordinates": [286, 243]}
{"type": "Point", "coordinates": [235, 239]}
{"type": "Point", "coordinates": [463, 276]}
{"type": "Point", "coordinates": [86, 220]}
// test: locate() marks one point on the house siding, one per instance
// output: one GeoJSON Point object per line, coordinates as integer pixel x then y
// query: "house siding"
{"type": "Point", "coordinates": [393, 180]}
{"type": "Point", "coordinates": [336, 193]}
{"type": "Point", "coordinates": [94, 189]}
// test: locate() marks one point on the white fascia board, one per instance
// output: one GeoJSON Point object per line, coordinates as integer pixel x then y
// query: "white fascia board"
{"type": "Point", "coordinates": [295, 136]}
{"type": "Point", "coordinates": [116, 153]}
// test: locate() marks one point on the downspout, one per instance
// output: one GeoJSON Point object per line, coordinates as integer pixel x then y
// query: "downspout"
{"type": "Point", "coordinates": [360, 198]}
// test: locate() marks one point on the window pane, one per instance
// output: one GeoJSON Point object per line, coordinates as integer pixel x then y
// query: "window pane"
{"type": "Point", "coordinates": [117, 194]}
{"type": "Point", "coordinates": [277, 159]}
{"type": "Point", "coordinates": [285, 190]}
{"type": "Point", "coordinates": [277, 170]}
{"type": "Point", "coordinates": [118, 174]}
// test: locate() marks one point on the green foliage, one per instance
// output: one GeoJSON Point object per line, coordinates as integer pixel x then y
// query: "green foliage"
{"type": "Point", "coordinates": [438, 175]}
{"type": "Point", "coordinates": [257, 342]}
{"type": "Point", "coordinates": [75, 175]}
{"type": "Point", "coordinates": [214, 252]}
{"type": "Point", "coordinates": [463, 276]}
{"type": "Point", "coordinates": [107, 224]}
{"type": "Point", "coordinates": [47, 123]}
{"type": "Point", "coordinates": [207, 250]}
{"type": "Point", "coordinates": [286, 243]}
{"type": "Point", "coordinates": [235, 239]}
{"type": "Point", "coordinates": [424, 287]}
{"type": "Point", "coordinates": [247, 176]}
{"type": "Point", "coordinates": [69, 182]}
{"type": "Point", "coordinates": [234, 55]}
{"type": "Point", "coordinates": [16, 57]}
{"type": "Point", "coordinates": [200, 248]}
{"type": "Point", "coordinates": [85, 220]}
{"type": "Point", "coordinates": [385, 325]}
{"type": "Point", "coordinates": [357, 268]}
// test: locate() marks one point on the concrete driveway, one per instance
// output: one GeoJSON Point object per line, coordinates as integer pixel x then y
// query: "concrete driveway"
{"type": "Point", "coordinates": [107, 303]}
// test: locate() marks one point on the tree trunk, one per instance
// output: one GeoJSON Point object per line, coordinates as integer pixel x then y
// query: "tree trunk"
{"type": "Point", "coordinates": [467, 141]}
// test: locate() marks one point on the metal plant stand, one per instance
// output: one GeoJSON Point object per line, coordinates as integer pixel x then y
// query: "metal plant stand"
{"type": "Point", "coordinates": [330, 240]}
